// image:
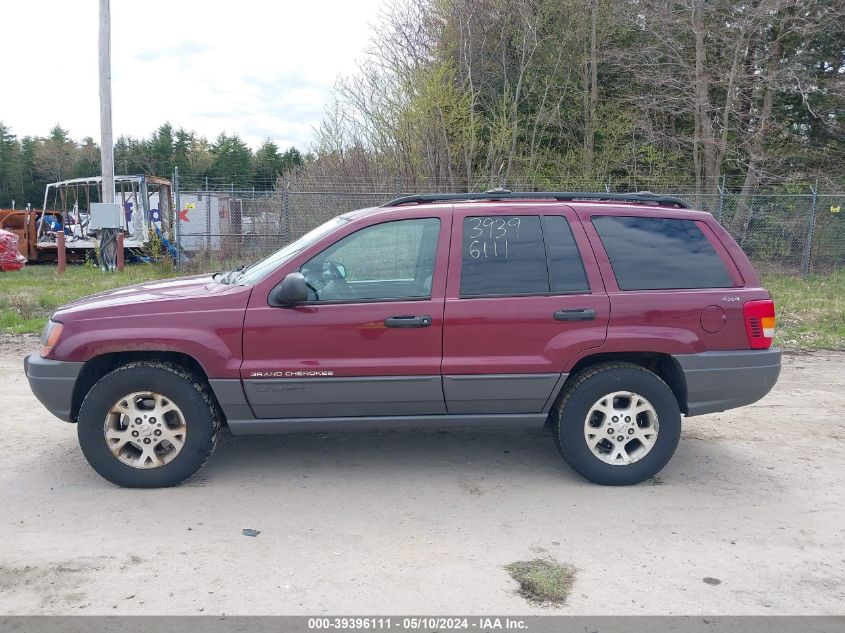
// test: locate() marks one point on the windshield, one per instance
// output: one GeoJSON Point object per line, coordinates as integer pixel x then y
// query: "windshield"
{"type": "Point", "coordinates": [264, 267]}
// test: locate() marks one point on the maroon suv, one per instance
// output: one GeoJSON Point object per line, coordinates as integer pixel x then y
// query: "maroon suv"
{"type": "Point", "coordinates": [603, 316]}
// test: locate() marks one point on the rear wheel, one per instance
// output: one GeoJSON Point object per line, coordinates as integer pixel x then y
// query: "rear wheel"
{"type": "Point", "coordinates": [617, 424]}
{"type": "Point", "coordinates": [148, 425]}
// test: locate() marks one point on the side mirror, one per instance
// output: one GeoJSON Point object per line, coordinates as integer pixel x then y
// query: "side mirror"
{"type": "Point", "coordinates": [291, 291]}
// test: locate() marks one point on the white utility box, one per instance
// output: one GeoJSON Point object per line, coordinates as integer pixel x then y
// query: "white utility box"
{"type": "Point", "coordinates": [105, 215]}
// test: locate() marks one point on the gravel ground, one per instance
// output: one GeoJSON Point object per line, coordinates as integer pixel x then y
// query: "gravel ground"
{"type": "Point", "coordinates": [423, 522]}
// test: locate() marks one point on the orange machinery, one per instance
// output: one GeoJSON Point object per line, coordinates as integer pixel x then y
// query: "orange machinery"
{"type": "Point", "coordinates": [24, 224]}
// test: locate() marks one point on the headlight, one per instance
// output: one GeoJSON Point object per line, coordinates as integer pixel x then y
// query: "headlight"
{"type": "Point", "coordinates": [50, 336]}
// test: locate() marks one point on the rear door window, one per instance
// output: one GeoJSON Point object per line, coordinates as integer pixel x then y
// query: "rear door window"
{"type": "Point", "coordinates": [660, 254]}
{"type": "Point", "coordinates": [508, 255]}
{"type": "Point", "coordinates": [503, 255]}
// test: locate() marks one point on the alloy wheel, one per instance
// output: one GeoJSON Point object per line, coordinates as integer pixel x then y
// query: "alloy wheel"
{"type": "Point", "coordinates": [621, 428]}
{"type": "Point", "coordinates": [145, 430]}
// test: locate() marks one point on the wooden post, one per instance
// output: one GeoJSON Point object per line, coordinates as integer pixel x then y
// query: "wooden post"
{"type": "Point", "coordinates": [62, 252]}
{"type": "Point", "coordinates": [119, 254]}
{"type": "Point", "coordinates": [177, 220]}
{"type": "Point", "coordinates": [811, 225]}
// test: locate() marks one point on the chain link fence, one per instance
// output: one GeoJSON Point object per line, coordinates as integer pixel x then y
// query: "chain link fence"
{"type": "Point", "coordinates": [220, 229]}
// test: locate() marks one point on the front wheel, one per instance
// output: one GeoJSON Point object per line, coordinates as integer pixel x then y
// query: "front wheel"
{"type": "Point", "coordinates": [148, 425]}
{"type": "Point", "coordinates": [617, 424]}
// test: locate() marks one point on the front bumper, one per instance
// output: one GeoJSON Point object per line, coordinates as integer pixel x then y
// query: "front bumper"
{"type": "Point", "coordinates": [717, 381]}
{"type": "Point", "coordinates": [52, 382]}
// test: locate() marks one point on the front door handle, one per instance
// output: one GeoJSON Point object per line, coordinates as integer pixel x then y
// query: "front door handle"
{"type": "Point", "coordinates": [408, 321]}
{"type": "Point", "coordinates": [584, 314]}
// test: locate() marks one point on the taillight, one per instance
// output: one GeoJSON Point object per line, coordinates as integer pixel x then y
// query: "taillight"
{"type": "Point", "coordinates": [760, 323]}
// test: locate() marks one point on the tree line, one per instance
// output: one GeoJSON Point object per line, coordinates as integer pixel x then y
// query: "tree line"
{"type": "Point", "coordinates": [476, 93]}
{"type": "Point", "coordinates": [29, 163]}
{"type": "Point", "coordinates": [471, 94]}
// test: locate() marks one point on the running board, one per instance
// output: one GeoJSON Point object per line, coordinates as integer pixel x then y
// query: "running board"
{"type": "Point", "coordinates": [323, 425]}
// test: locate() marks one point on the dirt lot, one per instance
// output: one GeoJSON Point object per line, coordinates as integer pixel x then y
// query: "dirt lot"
{"type": "Point", "coordinates": [423, 522]}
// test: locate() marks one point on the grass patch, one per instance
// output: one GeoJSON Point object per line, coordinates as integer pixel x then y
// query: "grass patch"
{"type": "Point", "coordinates": [28, 297]}
{"type": "Point", "coordinates": [810, 310]}
{"type": "Point", "coordinates": [543, 580]}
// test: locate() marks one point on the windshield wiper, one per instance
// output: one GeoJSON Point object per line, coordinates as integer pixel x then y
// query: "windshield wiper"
{"type": "Point", "coordinates": [231, 276]}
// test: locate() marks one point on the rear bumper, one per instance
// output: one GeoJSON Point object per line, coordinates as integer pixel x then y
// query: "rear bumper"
{"type": "Point", "coordinates": [717, 381]}
{"type": "Point", "coordinates": [52, 382]}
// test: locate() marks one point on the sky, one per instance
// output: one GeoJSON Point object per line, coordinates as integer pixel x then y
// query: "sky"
{"type": "Point", "coordinates": [256, 68]}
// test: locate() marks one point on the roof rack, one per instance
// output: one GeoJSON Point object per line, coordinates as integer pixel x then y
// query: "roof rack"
{"type": "Point", "coordinates": [644, 197]}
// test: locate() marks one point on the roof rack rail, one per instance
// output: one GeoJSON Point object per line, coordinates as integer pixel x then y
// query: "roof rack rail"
{"type": "Point", "coordinates": [645, 197]}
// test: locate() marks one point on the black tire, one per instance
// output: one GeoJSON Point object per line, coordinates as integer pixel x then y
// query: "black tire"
{"type": "Point", "coordinates": [583, 391]}
{"type": "Point", "coordinates": [202, 420]}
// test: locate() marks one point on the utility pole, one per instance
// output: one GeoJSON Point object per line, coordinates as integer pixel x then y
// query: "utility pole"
{"type": "Point", "coordinates": [106, 140]}
{"type": "Point", "coordinates": [108, 234]}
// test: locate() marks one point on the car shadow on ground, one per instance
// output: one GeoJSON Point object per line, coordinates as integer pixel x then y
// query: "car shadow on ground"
{"type": "Point", "coordinates": [493, 453]}
{"type": "Point", "coordinates": [401, 451]}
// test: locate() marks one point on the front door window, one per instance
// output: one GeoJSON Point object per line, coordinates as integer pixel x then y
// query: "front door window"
{"type": "Point", "coordinates": [388, 261]}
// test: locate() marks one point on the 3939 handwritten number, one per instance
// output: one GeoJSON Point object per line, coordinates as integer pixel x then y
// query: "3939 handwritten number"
{"type": "Point", "coordinates": [490, 236]}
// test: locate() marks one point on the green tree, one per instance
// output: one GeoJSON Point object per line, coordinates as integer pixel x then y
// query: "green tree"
{"type": "Point", "coordinates": [122, 154]}
{"type": "Point", "coordinates": [182, 149]}
{"type": "Point", "coordinates": [9, 166]}
{"type": "Point", "coordinates": [231, 161]}
{"type": "Point", "coordinates": [87, 159]}
{"type": "Point", "coordinates": [56, 155]}
{"type": "Point", "coordinates": [132, 156]}
{"type": "Point", "coordinates": [161, 151]}
{"type": "Point", "coordinates": [291, 159]}
{"type": "Point", "coordinates": [32, 185]}
{"type": "Point", "coordinates": [267, 165]}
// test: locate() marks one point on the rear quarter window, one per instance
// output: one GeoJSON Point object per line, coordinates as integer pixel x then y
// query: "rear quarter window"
{"type": "Point", "coordinates": [565, 265]}
{"type": "Point", "coordinates": [660, 254]}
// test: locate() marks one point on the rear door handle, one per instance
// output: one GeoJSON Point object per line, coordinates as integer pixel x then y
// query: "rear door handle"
{"type": "Point", "coordinates": [584, 314]}
{"type": "Point", "coordinates": [408, 321]}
